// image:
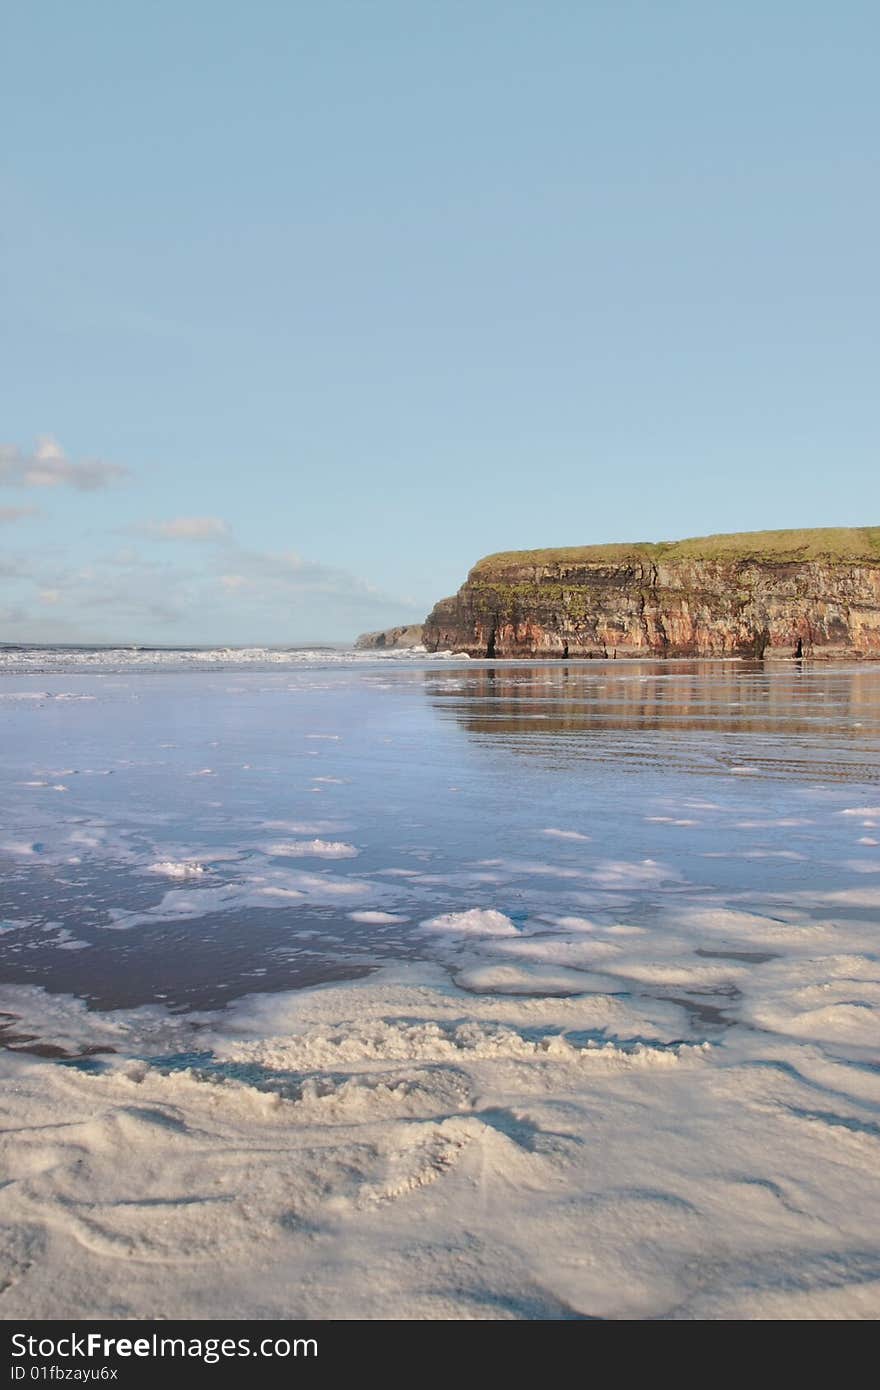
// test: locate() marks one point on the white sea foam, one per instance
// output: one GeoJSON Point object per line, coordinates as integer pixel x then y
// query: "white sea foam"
{"type": "Point", "coordinates": [624, 874]}
{"type": "Point", "coordinates": [670, 820]}
{"type": "Point", "coordinates": [585, 952]}
{"type": "Point", "coordinates": [121, 660]}
{"type": "Point", "coordinates": [475, 921]}
{"type": "Point", "coordinates": [829, 998]}
{"type": "Point", "coordinates": [326, 888]}
{"type": "Point", "coordinates": [170, 868]}
{"type": "Point", "coordinates": [531, 1154]}
{"type": "Point", "coordinates": [570, 923]}
{"type": "Point", "coordinates": [273, 888]}
{"type": "Point", "coordinates": [65, 940]}
{"type": "Point", "coordinates": [526, 978]}
{"type": "Point", "coordinates": [534, 867]}
{"type": "Point", "coordinates": [314, 849]}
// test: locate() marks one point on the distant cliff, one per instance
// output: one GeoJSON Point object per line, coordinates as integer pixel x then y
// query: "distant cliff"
{"type": "Point", "coordinates": [783, 593]}
{"type": "Point", "coordinates": [392, 639]}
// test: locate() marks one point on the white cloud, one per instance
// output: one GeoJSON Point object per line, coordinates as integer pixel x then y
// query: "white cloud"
{"type": "Point", "coordinates": [189, 528]}
{"type": "Point", "coordinates": [286, 576]}
{"type": "Point", "coordinates": [202, 593]}
{"type": "Point", "coordinates": [48, 466]}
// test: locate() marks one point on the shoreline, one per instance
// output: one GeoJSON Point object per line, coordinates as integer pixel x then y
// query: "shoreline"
{"type": "Point", "coordinates": [487, 1157]}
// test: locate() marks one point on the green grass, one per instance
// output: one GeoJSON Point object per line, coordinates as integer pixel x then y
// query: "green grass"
{"type": "Point", "coordinates": [841, 543]}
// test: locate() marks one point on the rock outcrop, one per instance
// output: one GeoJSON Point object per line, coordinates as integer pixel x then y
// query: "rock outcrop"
{"type": "Point", "coordinates": [393, 638]}
{"type": "Point", "coordinates": [767, 593]}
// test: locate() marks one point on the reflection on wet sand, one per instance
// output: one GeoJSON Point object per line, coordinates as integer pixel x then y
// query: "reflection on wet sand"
{"type": "Point", "coordinates": [804, 713]}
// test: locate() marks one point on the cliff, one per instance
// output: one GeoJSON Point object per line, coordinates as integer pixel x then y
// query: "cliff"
{"type": "Point", "coordinates": [392, 639]}
{"type": "Point", "coordinates": [785, 593]}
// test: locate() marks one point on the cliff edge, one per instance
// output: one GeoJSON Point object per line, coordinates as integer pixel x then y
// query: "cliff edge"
{"type": "Point", "coordinates": [762, 593]}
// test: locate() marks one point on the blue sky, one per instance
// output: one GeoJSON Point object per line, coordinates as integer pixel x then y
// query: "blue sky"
{"type": "Point", "coordinates": [308, 306]}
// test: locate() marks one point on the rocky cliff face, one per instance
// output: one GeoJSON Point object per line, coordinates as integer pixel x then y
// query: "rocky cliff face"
{"type": "Point", "coordinates": [783, 593]}
{"type": "Point", "coordinates": [392, 639]}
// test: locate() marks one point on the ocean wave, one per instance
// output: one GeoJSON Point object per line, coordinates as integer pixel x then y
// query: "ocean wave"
{"type": "Point", "coordinates": [33, 660]}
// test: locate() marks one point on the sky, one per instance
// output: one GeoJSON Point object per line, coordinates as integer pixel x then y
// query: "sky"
{"type": "Point", "coordinates": [306, 307]}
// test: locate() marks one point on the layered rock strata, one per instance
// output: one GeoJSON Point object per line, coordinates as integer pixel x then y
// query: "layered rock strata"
{"type": "Point", "coordinates": [763, 594]}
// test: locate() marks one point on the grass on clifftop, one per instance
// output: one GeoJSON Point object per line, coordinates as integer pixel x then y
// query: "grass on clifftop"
{"type": "Point", "coordinates": [842, 543]}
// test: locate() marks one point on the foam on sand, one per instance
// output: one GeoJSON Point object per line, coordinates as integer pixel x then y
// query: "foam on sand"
{"type": "Point", "coordinates": [170, 868]}
{"type": "Point", "coordinates": [270, 888]}
{"type": "Point", "coordinates": [530, 1157]}
{"type": "Point", "coordinates": [475, 921]}
{"type": "Point", "coordinates": [619, 873]}
{"type": "Point", "coordinates": [313, 849]}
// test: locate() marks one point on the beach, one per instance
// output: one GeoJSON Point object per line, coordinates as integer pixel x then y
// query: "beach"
{"type": "Point", "coordinates": [342, 986]}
